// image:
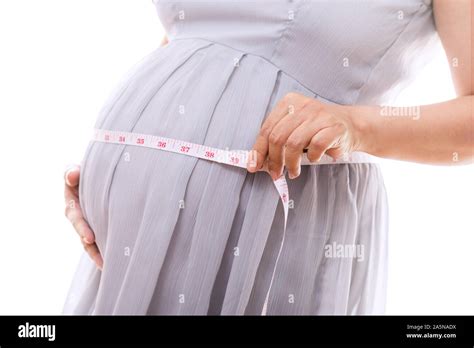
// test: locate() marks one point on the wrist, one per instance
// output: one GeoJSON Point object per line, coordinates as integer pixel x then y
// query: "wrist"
{"type": "Point", "coordinates": [364, 119]}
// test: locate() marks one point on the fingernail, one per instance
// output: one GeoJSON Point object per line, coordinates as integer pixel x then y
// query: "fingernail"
{"type": "Point", "coordinates": [66, 177]}
{"type": "Point", "coordinates": [69, 169]}
{"type": "Point", "coordinates": [252, 164]}
{"type": "Point", "coordinates": [252, 159]}
{"type": "Point", "coordinates": [99, 262]}
{"type": "Point", "coordinates": [293, 176]}
{"type": "Point", "coordinates": [86, 240]}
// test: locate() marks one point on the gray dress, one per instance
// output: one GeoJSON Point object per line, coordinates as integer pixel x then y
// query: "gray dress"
{"type": "Point", "coordinates": [181, 235]}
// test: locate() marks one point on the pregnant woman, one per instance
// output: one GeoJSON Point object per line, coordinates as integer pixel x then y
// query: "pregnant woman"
{"type": "Point", "coordinates": [173, 234]}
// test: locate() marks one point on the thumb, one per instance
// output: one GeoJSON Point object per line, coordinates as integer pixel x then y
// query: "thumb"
{"type": "Point", "coordinates": [71, 175]}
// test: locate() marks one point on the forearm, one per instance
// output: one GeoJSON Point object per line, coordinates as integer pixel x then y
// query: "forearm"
{"type": "Point", "coordinates": [433, 134]}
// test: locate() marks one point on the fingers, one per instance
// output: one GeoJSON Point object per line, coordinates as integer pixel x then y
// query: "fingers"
{"type": "Point", "coordinates": [73, 210]}
{"type": "Point", "coordinates": [258, 153]}
{"type": "Point", "coordinates": [94, 253]}
{"type": "Point", "coordinates": [83, 230]}
{"type": "Point", "coordinates": [278, 143]}
{"type": "Point", "coordinates": [290, 137]}
{"type": "Point", "coordinates": [74, 214]}
{"type": "Point", "coordinates": [296, 123]}
{"type": "Point", "coordinates": [297, 142]}
{"type": "Point", "coordinates": [71, 176]}
{"type": "Point", "coordinates": [323, 141]}
{"type": "Point", "coordinates": [260, 149]}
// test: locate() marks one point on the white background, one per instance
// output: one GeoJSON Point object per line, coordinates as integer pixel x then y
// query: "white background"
{"type": "Point", "coordinates": [59, 60]}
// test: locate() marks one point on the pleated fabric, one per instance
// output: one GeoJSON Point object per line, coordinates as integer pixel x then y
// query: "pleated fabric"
{"type": "Point", "coordinates": [181, 235]}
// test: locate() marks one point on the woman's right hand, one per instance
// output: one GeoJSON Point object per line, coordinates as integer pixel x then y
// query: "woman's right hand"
{"type": "Point", "coordinates": [74, 214]}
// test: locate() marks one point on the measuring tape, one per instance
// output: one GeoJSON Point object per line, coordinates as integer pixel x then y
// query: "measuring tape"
{"type": "Point", "coordinates": [236, 158]}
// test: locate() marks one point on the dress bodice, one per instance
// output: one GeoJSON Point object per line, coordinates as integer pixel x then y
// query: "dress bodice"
{"type": "Point", "coordinates": [347, 51]}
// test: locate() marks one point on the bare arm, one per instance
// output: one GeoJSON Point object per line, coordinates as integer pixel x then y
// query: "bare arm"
{"type": "Point", "coordinates": [441, 133]}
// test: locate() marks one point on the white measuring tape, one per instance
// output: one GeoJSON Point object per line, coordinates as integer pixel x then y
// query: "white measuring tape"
{"type": "Point", "coordinates": [237, 158]}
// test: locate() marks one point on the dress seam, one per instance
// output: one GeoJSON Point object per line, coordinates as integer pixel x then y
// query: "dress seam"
{"type": "Point", "coordinates": [389, 49]}
{"type": "Point", "coordinates": [265, 59]}
{"type": "Point", "coordinates": [289, 23]}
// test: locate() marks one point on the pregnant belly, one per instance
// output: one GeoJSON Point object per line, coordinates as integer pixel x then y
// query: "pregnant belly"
{"type": "Point", "coordinates": [168, 221]}
{"type": "Point", "coordinates": [189, 90]}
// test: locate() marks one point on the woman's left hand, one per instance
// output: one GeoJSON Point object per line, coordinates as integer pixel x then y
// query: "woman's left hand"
{"type": "Point", "coordinates": [299, 122]}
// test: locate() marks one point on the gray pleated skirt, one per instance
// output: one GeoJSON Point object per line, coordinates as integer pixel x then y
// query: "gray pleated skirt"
{"type": "Point", "coordinates": [181, 235]}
